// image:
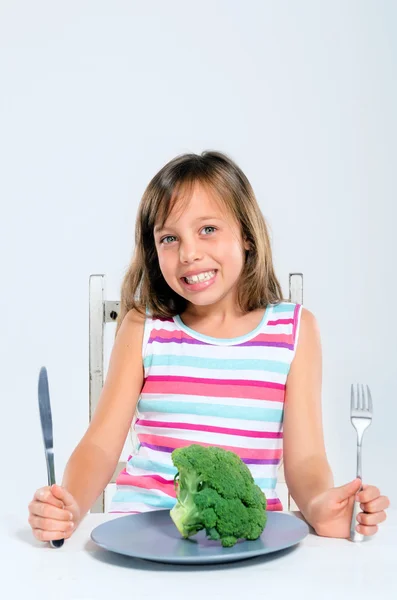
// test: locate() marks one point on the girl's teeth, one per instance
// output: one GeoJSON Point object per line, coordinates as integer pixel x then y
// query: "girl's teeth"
{"type": "Point", "coordinates": [201, 277]}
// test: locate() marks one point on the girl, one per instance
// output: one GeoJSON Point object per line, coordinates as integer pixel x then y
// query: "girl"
{"type": "Point", "coordinates": [207, 351]}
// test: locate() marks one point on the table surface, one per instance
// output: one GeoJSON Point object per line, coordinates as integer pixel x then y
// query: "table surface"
{"type": "Point", "coordinates": [316, 568]}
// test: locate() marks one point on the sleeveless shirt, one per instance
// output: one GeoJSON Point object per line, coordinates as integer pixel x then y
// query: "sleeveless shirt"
{"type": "Point", "coordinates": [226, 392]}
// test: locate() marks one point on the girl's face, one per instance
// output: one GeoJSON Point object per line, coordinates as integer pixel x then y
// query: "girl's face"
{"type": "Point", "coordinates": [202, 242]}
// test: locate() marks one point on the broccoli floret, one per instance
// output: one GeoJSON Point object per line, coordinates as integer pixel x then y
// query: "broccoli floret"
{"type": "Point", "coordinates": [216, 491]}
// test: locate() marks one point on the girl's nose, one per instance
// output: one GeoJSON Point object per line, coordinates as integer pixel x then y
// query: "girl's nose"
{"type": "Point", "coordinates": [189, 252]}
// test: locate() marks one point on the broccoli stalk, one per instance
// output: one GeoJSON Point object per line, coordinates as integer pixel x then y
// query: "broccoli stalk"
{"type": "Point", "coordinates": [185, 513]}
{"type": "Point", "coordinates": [216, 492]}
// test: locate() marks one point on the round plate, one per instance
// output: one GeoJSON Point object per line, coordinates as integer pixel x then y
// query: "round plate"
{"type": "Point", "coordinates": [153, 536]}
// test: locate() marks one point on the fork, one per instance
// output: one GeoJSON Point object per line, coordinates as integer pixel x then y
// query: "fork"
{"type": "Point", "coordinates": [361, 418]}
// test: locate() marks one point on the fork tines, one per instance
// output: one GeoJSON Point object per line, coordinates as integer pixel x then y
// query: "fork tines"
{"type": "Point", "coordinates": [361, 400]}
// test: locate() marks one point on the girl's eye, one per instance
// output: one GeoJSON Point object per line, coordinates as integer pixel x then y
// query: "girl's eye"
{"type": "Point", "coordinates": [168, 237]}
{"type": "Point", "coordinates": [162, 241]}
{"type": "Point", "coordinates": [209, 227]}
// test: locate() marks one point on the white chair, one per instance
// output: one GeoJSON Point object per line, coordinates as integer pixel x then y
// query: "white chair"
{"type": "Point", "coordinates": [101, 312]}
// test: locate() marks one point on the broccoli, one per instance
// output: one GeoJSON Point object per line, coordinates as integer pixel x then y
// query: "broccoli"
{"type": "Point", "coordinates": [216, 492]}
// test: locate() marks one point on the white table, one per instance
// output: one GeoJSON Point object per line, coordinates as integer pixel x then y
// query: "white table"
{"type": "Point", "coordinates": [317, 568]}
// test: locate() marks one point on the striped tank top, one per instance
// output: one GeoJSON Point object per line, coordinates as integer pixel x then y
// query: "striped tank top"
{"type": "Point", "coordinates": [209, 391]}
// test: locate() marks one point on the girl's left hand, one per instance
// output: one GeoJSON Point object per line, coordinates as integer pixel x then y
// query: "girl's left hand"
{"type": "Point", "coordinates": [330, 512]}
{"type": "Point", "coordinates": [373, 506]}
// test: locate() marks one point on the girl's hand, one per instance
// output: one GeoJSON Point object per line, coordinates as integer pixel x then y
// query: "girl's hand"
{"type": "Point", "coordinates": [53, 513]}
{"type": "Point", "coordinates": [373, 506]}
{"type": "Point", "coordinates": [330, 512]}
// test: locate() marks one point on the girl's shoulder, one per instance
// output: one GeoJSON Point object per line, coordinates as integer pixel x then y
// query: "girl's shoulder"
{"type": "Point", "coordinates": [283, 304]}
{"type": "Point", "coordinates": [303, 323]}
{"type": "Point", "coordinates": [287, 307]}
{"type": "Point", "coordinates": [153, 326]}
{"type": "Point", "coordinates": [135, 317]}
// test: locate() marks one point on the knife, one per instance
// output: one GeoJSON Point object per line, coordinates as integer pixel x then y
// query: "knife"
{"type": "Point", "coordinates": [46, 427]}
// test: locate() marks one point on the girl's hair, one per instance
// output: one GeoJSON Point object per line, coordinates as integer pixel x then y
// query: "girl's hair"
{"type": "Point", "coordinates": [144, 287]}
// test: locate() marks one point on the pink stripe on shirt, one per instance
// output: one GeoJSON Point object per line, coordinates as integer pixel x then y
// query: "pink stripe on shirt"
{"type": "Point", "coordinates": [178, 387]}
{"type": "Point", "coordinates": [211, 429]}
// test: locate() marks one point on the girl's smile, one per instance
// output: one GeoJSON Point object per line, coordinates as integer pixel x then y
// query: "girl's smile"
{"type": "Point", "coordinates": [199, 282]}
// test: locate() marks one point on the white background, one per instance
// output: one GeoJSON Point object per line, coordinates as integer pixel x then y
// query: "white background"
{"type": "Point", "coordinates": [96, 96]}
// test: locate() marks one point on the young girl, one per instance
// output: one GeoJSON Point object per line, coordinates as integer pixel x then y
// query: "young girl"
{"type": "Point", "coordinates": [206, 351]}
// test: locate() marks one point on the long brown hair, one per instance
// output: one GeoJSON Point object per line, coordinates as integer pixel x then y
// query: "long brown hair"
{"type": "Point", "coordinates": [144, 287]}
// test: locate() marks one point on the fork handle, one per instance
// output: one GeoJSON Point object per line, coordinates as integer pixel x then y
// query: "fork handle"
{"type": "Point", "coordinates": [354, 535]}
{"type": "Point", "coordinates": [359, 469]}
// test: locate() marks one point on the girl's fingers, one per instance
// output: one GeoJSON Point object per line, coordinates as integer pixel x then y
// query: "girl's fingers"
{"type": "Point", "coordinates": [49, 518]}
{"type": "Point", "coordinates": [371, 518]}
{"type": "Point", "coordinates": [62, 495]}
{"type": "Point", "coordinates": [49, 511]}
{"type": "Point", "coordinates": [48, 536]}
{"type": "Point", "coordinates": [45, 495]}
{"type": "Point", "coordinates": [377, 505]}
{"type": "Point", "coordinates": [50, 524]}
{"type": "Point", "coordinates": [367, 529]}
{"type": "Point", "coordinates": [368, 493]}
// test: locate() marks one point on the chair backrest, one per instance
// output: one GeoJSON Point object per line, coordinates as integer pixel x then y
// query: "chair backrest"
{"type": "Point", "coordinates": [101, 312]}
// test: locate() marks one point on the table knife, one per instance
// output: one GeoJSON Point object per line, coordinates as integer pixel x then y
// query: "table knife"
{"type": "Point", "coordinates": [46, 427]}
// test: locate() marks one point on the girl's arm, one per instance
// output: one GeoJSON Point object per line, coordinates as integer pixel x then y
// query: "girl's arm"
{"type": "Point", "coordinates": [306, 468]}
{"type": "Point", "coordinates": [94, 460]}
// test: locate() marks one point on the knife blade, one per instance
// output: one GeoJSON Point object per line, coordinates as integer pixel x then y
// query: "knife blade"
{"type": "Point", "coordinates": [46, 428]}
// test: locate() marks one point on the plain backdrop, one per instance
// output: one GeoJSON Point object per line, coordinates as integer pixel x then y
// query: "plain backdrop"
{"type": "Point", "coordinates": [96, 96]}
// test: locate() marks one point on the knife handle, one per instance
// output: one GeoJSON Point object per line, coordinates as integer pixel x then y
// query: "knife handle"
{"type": "Point", "coordinates": [51, 480]}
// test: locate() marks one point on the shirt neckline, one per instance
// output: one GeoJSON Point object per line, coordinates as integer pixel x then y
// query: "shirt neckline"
{"type": "Point", "coordinates": [224, 341]}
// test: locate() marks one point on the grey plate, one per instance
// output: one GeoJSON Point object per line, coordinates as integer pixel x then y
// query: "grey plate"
{"type": "Point", "coordinates": [153, 536]}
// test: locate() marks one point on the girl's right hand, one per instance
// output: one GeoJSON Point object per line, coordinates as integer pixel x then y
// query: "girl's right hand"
{"type": "Point", "coordinates": [53, 513]}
